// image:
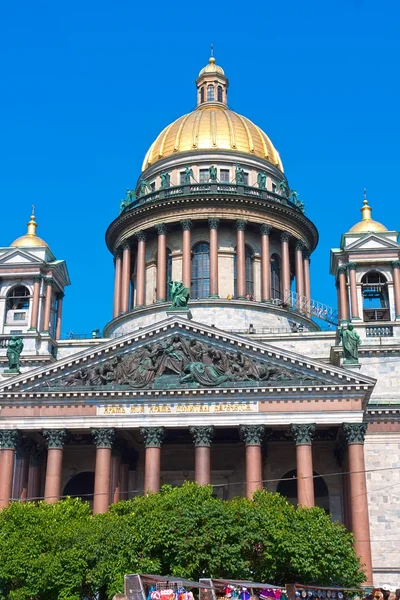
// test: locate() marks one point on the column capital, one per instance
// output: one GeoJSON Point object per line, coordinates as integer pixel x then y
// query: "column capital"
{"type": "Point", "coordinates": [117, 252]}
{"type": "Point", "coordinates": [9, 439]}
{"type": "Point", "coordinates": [306, 253]}
{"type": "Point", "coordinates": [202, 436]}
{"type": "Point", "coordinates": [213, 223]}
{"type": "Point", "coordinates": [299, 245]}
{"type": "Point", "coordinates": [303, 433]}
{"type": "Point", "coordinates": [103, 438]}
{"type": "Point", "coordinates": [265, 229]}
{"type": "Point", "coordinates": [342, 270]}
{"type": "Point", "coordinates": [354, 433]}
{"type": "Point", "coordinates": [396, 264]}
{"type": "Point", "coordinates": [37, 279]}
{"type": "Point", "coordinates": [153, 436]}
{"type": "Point", "coordinates": [126, 246]}
{"type": "Point", "coordinates": [49, 281]}
{"type": "Point", "coordinates": [186, 224]}
{"type": "Point", "coordinates": [161, 228]}
{"type": "Point", "coordinates": [240, 224]}
{"type": "Point", "coordinates": [285, 236]}
{"type": "Point", "coordinates": [252, 435]}
{"type": "Point", "coordinates": [352, 266]}
{"type": "Point", "coordinates": [141, 236]}
{"type": "Point", "coordinates": [55, 438]}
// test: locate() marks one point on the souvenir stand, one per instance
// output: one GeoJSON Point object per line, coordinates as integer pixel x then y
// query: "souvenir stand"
{"type": "Point", "coordinates": [297, 591]}
{"type": "Point", "coordinates": [234, 589]}
{"type": "Point", "coordinates": [157, 587]}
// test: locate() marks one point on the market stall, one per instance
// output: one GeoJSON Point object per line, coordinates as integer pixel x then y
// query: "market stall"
{"type": "Point", "coordinates": [297, 591]}
{"type": "Point", "coordinates": [235, 589]}
{"type": "Point", "coordinates": [157, 587]}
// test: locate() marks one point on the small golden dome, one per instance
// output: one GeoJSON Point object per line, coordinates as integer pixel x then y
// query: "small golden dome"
{"type": "Point", "coordinates": [367, 224]}
{"type": "Point", "coordinates": [30, 239]}
{"type": "Point", "coordinates": [212, 126]}
{"type": "Point", "coordinates": [212, 67]}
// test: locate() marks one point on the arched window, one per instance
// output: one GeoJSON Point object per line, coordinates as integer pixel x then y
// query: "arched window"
{"type": "Point", "coordinates": [219, 92]}
{"type": "Point", "coordinates": [210, 93]}
{"type": "Point", "coordinates": [276, 289]}
{"type": "Point", "coordinates": [18, 298]}
{"type": "Point", "coordinates": [375, 297]}
{"type": "Point", "coordinates": [169, 272]}
{"type": "Point", "coordinates": [81, 486]}
{"type": "Point", "coordinates": [200, 284]}
{"type": "Point", "coordinates": [202, 94]}
{"type": "Point", "coordinates": [288, 488]}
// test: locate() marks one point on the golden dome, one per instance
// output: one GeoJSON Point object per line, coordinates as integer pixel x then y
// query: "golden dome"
{"type": "Point", "coordinates": [367, 224]}
{"type": "Point", "coordinates": [212, 67]}
{"type": "Point", "coordinates": [212, 126]}
{"type": "Point", "coordinates": [30, 239]}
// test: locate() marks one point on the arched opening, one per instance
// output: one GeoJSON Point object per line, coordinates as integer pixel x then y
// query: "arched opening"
{"type": "Point", "coordinates": [200, 282]}
{"type": "Point", "coordinates": [249, 273]}
{"type": "Point", "coordinates": [202, 94]}
{"type": "Point", "coordinates": [276, 287]}
{"type": "Point", "coordinates": [169, 272]}
{"type": "Point", "coordinates": [375, 297]}
{"type": "Point", "coordinates": [219, 93]}
{"type": "Point", "coordinates": [287, 486]}
{"type": "Point", "coordinates": [17, 304]}
{"type": "Point", "coordinates": [81, 486]}
{"type": "Point", "coordinates": [210, 93]}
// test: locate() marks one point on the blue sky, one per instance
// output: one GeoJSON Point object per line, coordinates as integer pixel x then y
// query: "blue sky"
{"type": "Point", "coordinates": [87, 86]}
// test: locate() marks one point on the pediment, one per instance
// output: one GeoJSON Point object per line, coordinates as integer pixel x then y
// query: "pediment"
{"type": "Point", "coordinates": [372, 241]}
{"type": "Point", "coordinates": [18, 256]}
{"type": "Point", "coordinates": [60, 267]}
{"type": "Point", "coordinates": [179, 356]}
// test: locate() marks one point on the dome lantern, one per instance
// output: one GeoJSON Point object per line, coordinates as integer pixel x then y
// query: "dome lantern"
{"type": "Point", "coordinates": [30, 239]}
{"type": "Point", "coordinates": [212, 84]}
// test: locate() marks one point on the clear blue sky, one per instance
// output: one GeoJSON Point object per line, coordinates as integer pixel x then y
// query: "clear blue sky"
{"type": "Point", "coordinates": [86, 87]}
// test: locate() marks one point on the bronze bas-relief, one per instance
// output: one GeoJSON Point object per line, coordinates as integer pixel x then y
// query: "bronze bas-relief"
{"type": "Point", "coordinates": [178, 360]}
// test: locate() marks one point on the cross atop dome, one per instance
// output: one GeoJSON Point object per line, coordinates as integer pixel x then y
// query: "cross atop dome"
{"type": "Point", "coordinates": [212, 83]}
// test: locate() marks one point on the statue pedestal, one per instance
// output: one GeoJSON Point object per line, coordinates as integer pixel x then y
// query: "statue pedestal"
{"type": "Point", "coordinates": [351, 366]}
{"type": "Point", "coordinates": [183, 313]}
{"type": "Point", "coordinates": [9, 374]}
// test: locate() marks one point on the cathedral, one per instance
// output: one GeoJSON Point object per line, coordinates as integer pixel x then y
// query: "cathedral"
{"type": "Point", "coordinates": [216, 366]}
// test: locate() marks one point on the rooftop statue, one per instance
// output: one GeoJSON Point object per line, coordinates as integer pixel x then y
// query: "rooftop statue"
{"type": "Point", "coordinates": [212, 173]}
{"type": "Point", "coordinates": [179, 294]}
{"type": "Point", "coordinates": [262, 180]}
{"type": "Point", "coordinates": [239, 175]}
{"type": "Point", "coordinates": [129, 198]}
{"type": "Point", "coordinates": [143, 186]}
{"type": "Point", "coordinates": [350, 342]}
{"type": "Point", "coordinates": [282, 188]}
{"type": "Point", "coordinates": [165, 180]}
{"type": "Point", "coordinates": [14, 349]}
{"type": "Point", "coordinates": [187, 175]}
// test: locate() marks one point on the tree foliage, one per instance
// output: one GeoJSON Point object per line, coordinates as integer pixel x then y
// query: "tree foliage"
{"type": "Point", "coordinates": [61, 552]}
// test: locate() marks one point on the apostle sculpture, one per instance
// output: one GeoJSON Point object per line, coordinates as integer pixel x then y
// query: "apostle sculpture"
{"type": "Point", "coordinates": [180, 294]}
{"type": "Point", "coordinates": [14, 349]}
{"type": "Point", "coordinates": [350, 341]}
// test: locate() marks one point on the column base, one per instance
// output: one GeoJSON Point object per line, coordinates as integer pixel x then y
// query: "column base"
{"type": "Point", "coordinates": [350, 365]}
{"type": "Point", "coordinates": [267, 301]}
{"type": "Point", "coordinates": [397, 318]}
{"type": "Point", "coordinates": [355, 319]}
{"type": "Point", "coordinates": [161, 301]}
{"type": "Point", "coordinates": [240, 297]}
{"type": "Point", "coordinates": [33, 329]}
{"type": "Point", "coordinates": [215, 296]}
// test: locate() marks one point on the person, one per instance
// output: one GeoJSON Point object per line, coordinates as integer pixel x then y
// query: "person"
{"type": "Point", "coordinates": [120, 597]}
{"type": "Point", "coordinates": [350, 342]}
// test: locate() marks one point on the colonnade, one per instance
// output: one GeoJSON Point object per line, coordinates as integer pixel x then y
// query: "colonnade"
{"type": "Point", "coordinates": [346, 285]}
{"type": "Point", "coordinates": [123, 265]}
{"type": "Point", "coordinates": [111, 474]}
{"type": "Point", "coordinates": [49, 285]}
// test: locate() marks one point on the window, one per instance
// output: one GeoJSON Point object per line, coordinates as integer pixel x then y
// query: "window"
{"type": "Point", "coordinates": [15, 331]}
{"type": "Point", "coordinates": [18, 298]}
{"type": "Point", "coordinates": [287, 487]}
{"type": "Point", "coordinates": [248, 270]}
{"type": "Point", "coordinates": [182, 176]}
{"type": "Point", "coordinates": [276, 291]}
{"type": "Point", "coordinates": [200, 284]}
{"type": "Point", "coordinates": [169, 272]}
{"type": "Point", "coordinates": [153, 186]}
{"type": "Point", "coordinates": [224, 175]}
{"type": "Point", "coordinates": [246, 178]}
{"type": "Point", "coordinates": [274, 187]}
{"type": "Point", "coordinates": [204, 175]}
{"type": "Point", "coordinates": [219, 92]}
{"type": "Point", "coordinates": [202, 95]}
{"type": "Point", "coordinates": [375, 297]}
{"type": "Point", "coordinates": [210, 93]}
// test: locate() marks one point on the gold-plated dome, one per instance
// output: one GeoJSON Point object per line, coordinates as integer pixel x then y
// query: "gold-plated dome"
{"type": "Point", "coordinates": [367, 224]}
{"type": "Point", "coordinates": [212, 67]}
{"type": "Point", "coordinates": [212, 127]}
{"type": "Point", "coordinates": [30, 239]}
